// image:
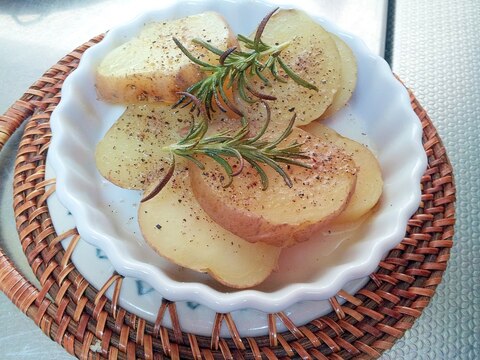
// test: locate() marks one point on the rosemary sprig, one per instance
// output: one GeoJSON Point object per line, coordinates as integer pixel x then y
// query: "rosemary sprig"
{"type": "Point", "coordinates": [235, 144]}
{"type": "Point", "coordinates": [235, 67]}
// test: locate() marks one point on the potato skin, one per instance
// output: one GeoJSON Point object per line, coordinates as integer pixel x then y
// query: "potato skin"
{"type": "Point", "coordinates": [279, 216]}
{"type": "Point", "coordinates": [151, 68]}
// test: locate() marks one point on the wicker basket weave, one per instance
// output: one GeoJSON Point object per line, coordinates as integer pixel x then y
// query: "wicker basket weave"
{"type": "Point", "coordinates": [88, 325]}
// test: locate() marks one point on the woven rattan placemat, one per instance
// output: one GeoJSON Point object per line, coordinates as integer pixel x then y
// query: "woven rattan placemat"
{"type": "Point", "coordinates": [70, 311]}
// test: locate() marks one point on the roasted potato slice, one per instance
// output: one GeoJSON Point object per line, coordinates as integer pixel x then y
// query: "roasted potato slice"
{"type": "Point", "coordinates": [130, 155]}
{"type": "Point", "coordinates": [369, 174]}
{"type": "Point", "coordinates": [313, 55]}
{"type": "Point", "coordinates": [150, 67]}
{"type": "Point", "coordinates": [348, 77]}
{"type": "Point", "coordinates": [176, 226]}
{"type": "Point", "coordinates": [279, 215]}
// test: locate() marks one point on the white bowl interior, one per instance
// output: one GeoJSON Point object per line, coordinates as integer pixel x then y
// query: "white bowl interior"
{"type": "Point", "coordinates": [379, 115]}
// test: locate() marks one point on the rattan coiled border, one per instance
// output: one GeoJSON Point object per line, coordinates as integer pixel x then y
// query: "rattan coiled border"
{"type": "Point", "coordinates": [88, 325]}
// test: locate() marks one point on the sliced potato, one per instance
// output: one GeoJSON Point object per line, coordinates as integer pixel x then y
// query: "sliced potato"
{"type": "Point", "coordinates": [130, 155]}
{"type": "Point", "coordinates": [348, 77]}
{"type": "Point", "coordinates": [313, 55]}
{"type": "Point", "coordinates": [369, 174]}
{"type": "Point", "coordinates": [150, 67]}
{"type": "Point", "coordinates": [176, 226]}
{"type": "Point", "coordinates": [279, 215]}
